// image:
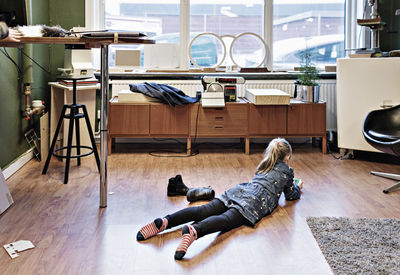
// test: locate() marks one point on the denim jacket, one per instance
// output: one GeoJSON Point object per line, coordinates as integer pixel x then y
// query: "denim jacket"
{"type": "Point", "coordinates": [166, 93]}
{"type": "Point", "coordinates": [260, 196]}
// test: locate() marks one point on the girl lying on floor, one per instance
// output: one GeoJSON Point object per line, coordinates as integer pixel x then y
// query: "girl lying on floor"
{"type": "Point", "coordinates": [242, 204]}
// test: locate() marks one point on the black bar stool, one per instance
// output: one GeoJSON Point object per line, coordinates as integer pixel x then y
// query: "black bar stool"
{"type": "Point", "coordinates": [73, 116]}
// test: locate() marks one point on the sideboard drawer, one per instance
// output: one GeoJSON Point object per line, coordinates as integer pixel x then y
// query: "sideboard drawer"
{"type": "Point", "coordinates": [229, 121]}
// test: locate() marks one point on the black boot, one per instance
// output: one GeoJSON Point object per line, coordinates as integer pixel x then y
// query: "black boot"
{"type": "Point", "coordinates": [201, 193]}
{"type": "Point", "coordinates": [176, 187]}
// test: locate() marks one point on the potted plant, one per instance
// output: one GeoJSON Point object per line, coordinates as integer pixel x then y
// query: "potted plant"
{"type": "Point", "coordinates": [307, 78]}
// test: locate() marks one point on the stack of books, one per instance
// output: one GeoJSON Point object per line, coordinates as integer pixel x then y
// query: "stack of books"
{"type": "Point", "coordinates": [81, 82]}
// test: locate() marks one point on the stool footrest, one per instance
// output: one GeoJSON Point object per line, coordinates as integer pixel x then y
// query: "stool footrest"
{"type": "Point", "coordinates": [76, 115]}
{"type": "Point", "coordinates": [73, 156]}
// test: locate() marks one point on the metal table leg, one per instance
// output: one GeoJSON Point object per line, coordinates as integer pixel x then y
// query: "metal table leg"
{"type": "Point", "coordinates": [104, 126]}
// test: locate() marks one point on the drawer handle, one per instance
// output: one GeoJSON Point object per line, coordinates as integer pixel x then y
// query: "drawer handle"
{"type": "Point", "coordinates": [219, 118]}
{"type": "Point", "coordinates": [218, 126]}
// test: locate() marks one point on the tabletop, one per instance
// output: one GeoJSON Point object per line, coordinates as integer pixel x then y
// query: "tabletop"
{"type": "Point", "coordinates": [94, 42]}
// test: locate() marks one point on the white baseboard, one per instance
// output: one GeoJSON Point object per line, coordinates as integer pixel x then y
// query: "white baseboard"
{"type": "Point", "coordinates": [18, 163]}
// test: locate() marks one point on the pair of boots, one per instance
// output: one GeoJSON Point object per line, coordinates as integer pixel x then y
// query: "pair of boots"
{"type": "Point", "coordinates": [176, 187]}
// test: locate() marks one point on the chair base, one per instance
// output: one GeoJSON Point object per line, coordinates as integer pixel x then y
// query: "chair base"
{"type": "Point", "coordinates": [73, 118]}
{"type": "Point", "coordinates": [389, 176]}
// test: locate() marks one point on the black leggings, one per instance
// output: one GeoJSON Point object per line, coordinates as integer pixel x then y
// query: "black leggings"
{"type": "Point", "coordinates": [208, 218]}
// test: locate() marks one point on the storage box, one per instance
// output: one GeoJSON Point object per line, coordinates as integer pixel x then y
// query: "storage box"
{"type": "Point", "coordinates": [126, 96]}
{"type": "Point", "coordinates": [267, 97]}
{"type": "Point", "coordinates": [127, 58]}
{"type": "Point", "coordinates": [5, 196]}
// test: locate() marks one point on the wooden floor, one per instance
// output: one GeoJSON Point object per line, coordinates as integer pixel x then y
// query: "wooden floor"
{"type": "Point", "coordinates": [73, 235]}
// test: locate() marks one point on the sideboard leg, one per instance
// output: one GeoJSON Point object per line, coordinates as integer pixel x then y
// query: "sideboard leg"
{"type": "Point", "coordinates": [189, 146]}
{"type": "Point", "coordinates": [324, 145]}
{"type": "Point", "coordinates": [247, 146]}
{"type": "Point", "coordinates": [109, 144]}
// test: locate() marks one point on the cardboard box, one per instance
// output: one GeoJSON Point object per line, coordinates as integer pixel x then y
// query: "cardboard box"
{"type": "Point", "coordinates": [5, 195]}
{"type": "Point", "coordinates": [330, 69]}
{"type": "Point", "coordinates": [126, 96]}
{"type": "Point", "coordinates": [127, 58]}
{"type": "Point", "coordinates": [267, 97]}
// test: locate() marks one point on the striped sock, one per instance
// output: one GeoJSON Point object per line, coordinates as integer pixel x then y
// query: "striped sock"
{"type": "Point", "coordinates": [152, 229]}
{"type": "Point", "coordinates": [189, 234]}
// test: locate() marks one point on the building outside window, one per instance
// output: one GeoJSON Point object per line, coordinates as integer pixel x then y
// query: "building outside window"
{"type": "Point", "coordinates": [317, 26]}
{"type": "Point", "coordinates": [298, 25]}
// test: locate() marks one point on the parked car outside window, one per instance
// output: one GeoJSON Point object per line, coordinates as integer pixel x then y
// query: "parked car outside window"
{"type": "Point", "coordinates": [324, 51]}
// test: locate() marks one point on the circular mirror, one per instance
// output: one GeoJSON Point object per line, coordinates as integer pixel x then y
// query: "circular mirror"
{"type": "Point", "coordinates": [248, 50]}
{"type": "Point", "coordinates": [207, 50]}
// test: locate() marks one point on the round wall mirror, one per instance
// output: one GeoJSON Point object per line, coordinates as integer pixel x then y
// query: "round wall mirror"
{"type": "Point", "coordinates": [248, 50]}
{"type": "Point", "coordinates": [207, 50]}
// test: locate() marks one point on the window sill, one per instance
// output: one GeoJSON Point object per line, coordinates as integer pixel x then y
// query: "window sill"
{"type": "Point", "coordinates": [195, 76]}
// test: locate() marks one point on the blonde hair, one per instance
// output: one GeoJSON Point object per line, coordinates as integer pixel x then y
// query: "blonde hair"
{"type": "Point", "coordinates": [277, 149]}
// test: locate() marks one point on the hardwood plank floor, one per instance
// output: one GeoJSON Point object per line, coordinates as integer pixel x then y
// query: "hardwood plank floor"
{"type": "Point", "coordinates": [73, 235]}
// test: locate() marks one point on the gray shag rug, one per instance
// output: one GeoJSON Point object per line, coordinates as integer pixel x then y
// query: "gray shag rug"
{"type": "Point", "coordinates": [358, 246]}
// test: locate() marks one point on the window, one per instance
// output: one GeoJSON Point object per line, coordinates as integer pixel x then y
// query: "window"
{"type": "Point", "coordinates": [316, 26]}
{"type": "Point", "coordinates": [228, 19]}
{"type": "Point", "coordinates": [159, 19]}
{"type": "Point", "coordinates": [298, 25]}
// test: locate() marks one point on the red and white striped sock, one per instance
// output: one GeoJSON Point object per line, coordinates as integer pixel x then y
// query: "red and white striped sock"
{"type": "Point", "coordinates": [152, 229]}
{"type": "Point", "coordinates": [189, 235]}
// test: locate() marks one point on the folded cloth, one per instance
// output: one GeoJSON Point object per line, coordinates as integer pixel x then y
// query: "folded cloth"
{"type": "Point", "coordinates": [166, 93]}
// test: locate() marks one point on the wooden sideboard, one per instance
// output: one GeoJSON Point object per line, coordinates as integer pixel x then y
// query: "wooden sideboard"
{"type": "Point", "coordinates": [237, 119]}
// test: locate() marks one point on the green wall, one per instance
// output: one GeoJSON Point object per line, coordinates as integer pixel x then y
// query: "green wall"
{"type": "Point", "coordinates": [12, 142]}
{"type": "Point", "coordinates": [13, 126]}
{"type": "Point", "coordinates": [67, 14]}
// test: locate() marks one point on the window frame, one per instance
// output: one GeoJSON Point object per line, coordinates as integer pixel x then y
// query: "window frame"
{"type": "Point", "coordinates": [94, 9]}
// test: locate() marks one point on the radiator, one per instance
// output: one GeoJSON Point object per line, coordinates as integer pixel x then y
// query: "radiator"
{"type": "Point", "coordinates": [189, 87]}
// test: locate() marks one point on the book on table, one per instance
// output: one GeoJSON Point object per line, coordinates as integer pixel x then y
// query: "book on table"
{"type": "Point", "coordinates": [81, 82]}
